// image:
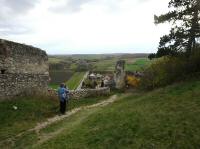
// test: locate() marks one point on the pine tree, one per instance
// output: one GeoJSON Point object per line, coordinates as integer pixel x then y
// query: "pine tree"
{"type": "Point", "coordinates": [184, 15]}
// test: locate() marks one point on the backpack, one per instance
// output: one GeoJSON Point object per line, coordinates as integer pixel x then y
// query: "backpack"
{"type": "Point", "coordinates": [64, 95]}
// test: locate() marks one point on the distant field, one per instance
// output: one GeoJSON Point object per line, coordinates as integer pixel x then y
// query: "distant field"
{"type": "Point", "coordinates": [59, 76]}
{"type": "Point", "coordinates": [137, 64]}
{"type": "Point", "coordinates": [98, 62]}
{"type": "Point", "coordinates": [54, 60]}
{"type": "Point", "coordinates": [63, 67]}
{"type": "Point", "coordinates": [105, 65]}
{"type": "Point", "coordinates": [75, 80]}
{"type": "Point", "coordinates": [132, 64]}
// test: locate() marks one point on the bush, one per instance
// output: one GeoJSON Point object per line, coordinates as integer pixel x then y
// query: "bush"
{"type": "Point", "coordinates": [132, 81]}
{"type": "Point", "coordinates": [167, 70]}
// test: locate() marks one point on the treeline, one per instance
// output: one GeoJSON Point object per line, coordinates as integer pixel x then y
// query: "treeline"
{"type": "Point", "coordinates": [178, 55]}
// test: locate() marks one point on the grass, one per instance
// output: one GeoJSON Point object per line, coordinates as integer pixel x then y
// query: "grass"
{"type": "Point", "coordinates": [75, 80]}
{"type": "Point", "coordinates": [165, 118]}
{"type": "Point", "coordinates": [138, 64]}
{"type": "Point", "coordinates": [85, 101]}
{"type": "Point", "coordinates": [53, 86]}
{"type": "Point", "coordinates": [132, 64]}
{"type": "Point", "coordinates": [31, 111]}
{"type": "Point", "coordinates": [105, 65]}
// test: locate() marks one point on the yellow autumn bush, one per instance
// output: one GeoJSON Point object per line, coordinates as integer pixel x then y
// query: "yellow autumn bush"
{"type": "Point", "coordinates": [132, 81]}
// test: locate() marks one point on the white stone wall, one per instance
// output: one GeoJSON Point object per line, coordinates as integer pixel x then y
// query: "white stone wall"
{"type": "Point", "coordinates": [83, 93]}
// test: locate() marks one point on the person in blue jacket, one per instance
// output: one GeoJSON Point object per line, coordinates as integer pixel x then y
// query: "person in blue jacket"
{"type": "Point", "coordinates": [63, 97]}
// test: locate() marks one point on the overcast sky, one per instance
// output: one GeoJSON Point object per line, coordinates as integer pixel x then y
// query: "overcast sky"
{"type": "Point", "coordinates": [84, 26]}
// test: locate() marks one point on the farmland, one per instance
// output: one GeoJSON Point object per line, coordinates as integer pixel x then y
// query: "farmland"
{"type": "Point", "coordinates": [64, 67]}
{"type": "Point", "coordinates": [137, 64]}
{"type": "Point", "coordinates": [75, 80]}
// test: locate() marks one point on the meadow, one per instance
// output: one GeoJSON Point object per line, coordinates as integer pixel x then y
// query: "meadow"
{"type": "Point", "coordinates": [167, 117]}
{"type": "Point", "coordinates": [163, 118]}
{"type": "Point", "coordinates": [29, 112]}
{"type": "Point", "coordinates": [138, 64]}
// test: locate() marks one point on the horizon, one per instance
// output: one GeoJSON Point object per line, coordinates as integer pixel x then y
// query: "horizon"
{"type": "Point", "coordinates": [84, 26]}
{"type": "Point", "coordinates": [96, 54]}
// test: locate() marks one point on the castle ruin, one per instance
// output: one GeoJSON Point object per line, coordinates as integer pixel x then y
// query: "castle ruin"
{"type": "Point", "coordinates": [22, 69]}
{"type": "Point", "coordinates": [120, 74]}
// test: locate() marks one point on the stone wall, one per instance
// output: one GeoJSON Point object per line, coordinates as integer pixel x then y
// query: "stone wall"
{"type": "Point", "coordinates": [20, 58]}
{"type": "Point", "coordinates": [18, 84]}
{"type": "Point", "coordinates": [83, 93]}
{"type": "Point", "coordinates": [22, 69]}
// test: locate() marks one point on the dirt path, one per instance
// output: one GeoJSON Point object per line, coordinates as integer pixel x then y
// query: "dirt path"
{"type": "Point", "coordinates": [58, 118]}
{"type": "Point", "coordinates": [45, 137]}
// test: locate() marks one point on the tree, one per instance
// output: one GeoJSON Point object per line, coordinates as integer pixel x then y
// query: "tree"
{"type": "Point", "coordinates": [185, 32]}
{"type": "Point", "coordinates": [151, 56]}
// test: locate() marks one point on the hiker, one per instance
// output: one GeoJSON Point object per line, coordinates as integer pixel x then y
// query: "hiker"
{"type": "Point", "coordinates": [63, 97]}
{"type": "Point", "coordinates": [83, 85]}
{"type": "Point", "coordinates": [95, 84]}
{"type": "Point", "coordinates": [102, 83]}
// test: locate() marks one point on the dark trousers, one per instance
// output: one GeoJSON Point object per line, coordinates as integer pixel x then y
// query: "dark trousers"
{"type": "Point", "coordinates": [63, 106]}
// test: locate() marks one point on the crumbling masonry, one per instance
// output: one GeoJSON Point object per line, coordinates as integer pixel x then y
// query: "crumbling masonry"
{"type": "Point", "coordinates": [23, 69]}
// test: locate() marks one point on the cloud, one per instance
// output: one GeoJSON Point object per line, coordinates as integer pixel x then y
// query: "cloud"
{"type": "Point", "coordinates": [7, 28]}
{"type": "Point", "coordinates": [83, 26]}
{"type": "Point", "coordinates": [73, 6]}
{"type": "Point", "coordinates": [11, 13]}
{"type": "Point", "coordinates": [62, 6]}
{"type": "Point", "coordinates": [11, 8]}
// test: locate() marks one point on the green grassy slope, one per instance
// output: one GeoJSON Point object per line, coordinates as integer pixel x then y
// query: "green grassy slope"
{"type": "Point", "coordinates": [164, 118]}
{"type": "Point", "coordinates": [30, 111]}
{"type": "Point", "coordinates": [75, 80]}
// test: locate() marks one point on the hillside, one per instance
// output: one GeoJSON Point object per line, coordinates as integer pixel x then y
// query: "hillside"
{"type": "Point", "coordinates": [165, 118]}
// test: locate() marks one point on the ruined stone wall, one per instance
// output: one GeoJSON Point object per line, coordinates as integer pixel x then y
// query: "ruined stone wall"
{"type": "Point", "coordinates": [83, 93]}
{"type": "Point", "coordinates": [22, 69]}
{"type": "Point", "coordinates": [20, 58]}
{"type": "Point", "coordinates": [120, 74]}
{"type": "Point", "coordinates": [20, 84]}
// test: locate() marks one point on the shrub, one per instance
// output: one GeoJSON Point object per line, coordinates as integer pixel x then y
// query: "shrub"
{"type": "Point", "coordinates": [167, 70]}
{"type": "Point", "coordinates": [132, 81]}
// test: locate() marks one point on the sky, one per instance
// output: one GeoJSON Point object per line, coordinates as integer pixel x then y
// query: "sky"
{"type": "Point", "coordinates": [84, 26]}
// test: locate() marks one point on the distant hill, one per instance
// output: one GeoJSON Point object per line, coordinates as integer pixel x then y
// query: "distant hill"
{"type": "Point", "coordinates": [99, 56]}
